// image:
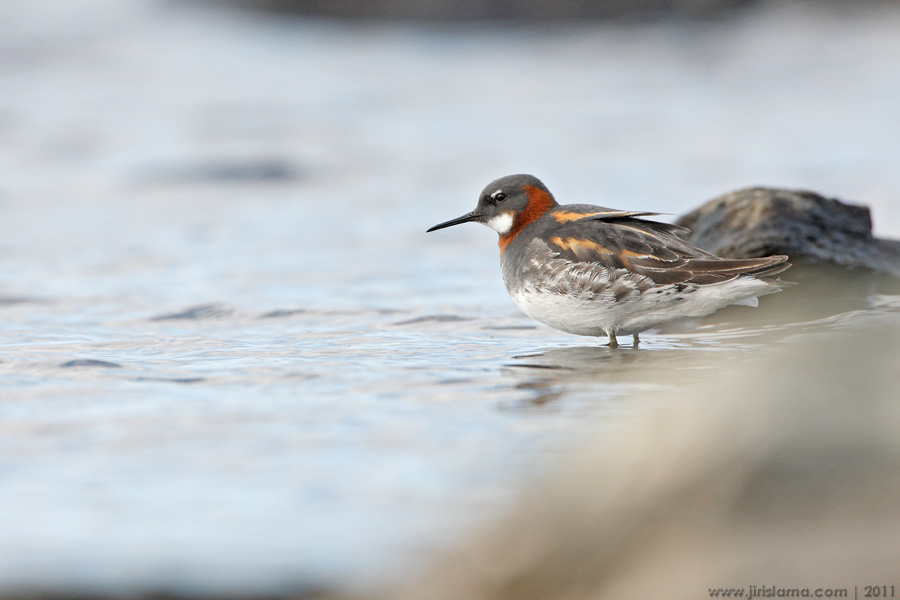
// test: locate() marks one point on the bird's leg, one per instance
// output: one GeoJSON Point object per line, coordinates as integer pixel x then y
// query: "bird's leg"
{"type": "Point", "coordinates": [613, 343]}
{"type": "Point", "coordinates": [637, 340]}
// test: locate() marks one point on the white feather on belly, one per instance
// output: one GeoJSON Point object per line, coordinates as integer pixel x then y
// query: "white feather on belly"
{"type": "Point", "coordinates": [601, 314]}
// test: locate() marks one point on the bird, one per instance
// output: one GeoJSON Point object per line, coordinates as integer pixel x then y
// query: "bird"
{"type": "Point", "coordinates": [594, 271]}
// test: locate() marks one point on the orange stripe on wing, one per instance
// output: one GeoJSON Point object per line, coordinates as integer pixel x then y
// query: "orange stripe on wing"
{"type": "Point", "coordinates": [564, 216]}
{"type": "Point", "coordinates": [641, 231]}
{"type": "Point", "coordinates": [572, 244]}
{"type": "Point", "coordinates": [575, 244]}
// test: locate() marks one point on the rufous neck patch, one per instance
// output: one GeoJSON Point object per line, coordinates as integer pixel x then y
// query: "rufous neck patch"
{"type": "Point", "coordinates": [539, 202]}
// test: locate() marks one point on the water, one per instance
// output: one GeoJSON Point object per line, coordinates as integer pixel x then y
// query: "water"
{"type": "Point", "coordinates": [231, 357]}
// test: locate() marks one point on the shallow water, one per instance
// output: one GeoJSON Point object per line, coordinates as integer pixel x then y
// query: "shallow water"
{"type": "Point", "coordinates": [233, 360]}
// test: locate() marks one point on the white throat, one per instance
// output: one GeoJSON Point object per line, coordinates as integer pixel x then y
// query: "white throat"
{"type": "Point", "coordinates": [501, 223]}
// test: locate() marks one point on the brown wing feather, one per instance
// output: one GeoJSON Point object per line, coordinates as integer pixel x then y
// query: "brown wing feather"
{"type": "Point", "coordinates": [652, 249]}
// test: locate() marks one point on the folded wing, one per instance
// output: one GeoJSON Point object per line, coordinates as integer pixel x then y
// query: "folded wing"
{"type": "Point", "coordinates": [651, 249]}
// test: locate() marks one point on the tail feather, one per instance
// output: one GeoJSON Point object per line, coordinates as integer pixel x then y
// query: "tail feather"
{"type": "Point", "coordinates": [707, 271]}
{"type": "Point", "coordinates": [773, 270]}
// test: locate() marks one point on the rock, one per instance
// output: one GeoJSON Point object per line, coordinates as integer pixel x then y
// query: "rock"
{"type": "Point", "coordinates": [515, 10]}
{"type": "Point", "coordinates": [804, 225]}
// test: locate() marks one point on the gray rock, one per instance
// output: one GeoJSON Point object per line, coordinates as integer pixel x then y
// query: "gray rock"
{"type": "Point", "coordinates": [515, 10]}
{"type": "Point", "coordinates": [804, 225]}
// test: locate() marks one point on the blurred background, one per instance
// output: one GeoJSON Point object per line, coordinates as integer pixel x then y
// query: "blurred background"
{"type": "Point", "coordinates": [231, 357]}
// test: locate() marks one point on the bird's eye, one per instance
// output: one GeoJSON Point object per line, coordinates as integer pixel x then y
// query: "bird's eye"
{"type": "Point", "coordinates": [499, 197]}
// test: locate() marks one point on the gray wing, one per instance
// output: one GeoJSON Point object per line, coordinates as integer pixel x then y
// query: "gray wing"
{"type": "Point", "coordinates": [651, 249]}
{"type": "Point", "coordinates": [545, 270]}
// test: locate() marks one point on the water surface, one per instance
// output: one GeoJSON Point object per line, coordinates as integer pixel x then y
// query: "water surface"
{"type": "Point", "coordinates": [232, 359]}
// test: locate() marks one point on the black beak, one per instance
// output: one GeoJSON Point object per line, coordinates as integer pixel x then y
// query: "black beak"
{"type": "Point", "coordinates": [463, 219]}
